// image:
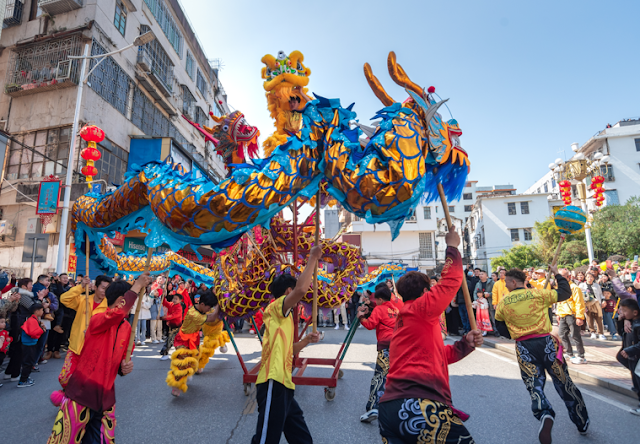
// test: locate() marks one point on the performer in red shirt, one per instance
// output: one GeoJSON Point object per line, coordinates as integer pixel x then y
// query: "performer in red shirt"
{"type": "Point", "coordinates": [383, 319]}
{"type": "Point", "coordinates": [417, 400]}
{"type": "Point", "coordinates": [87, 412]}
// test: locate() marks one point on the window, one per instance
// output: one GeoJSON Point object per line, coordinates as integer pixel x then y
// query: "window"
{"type": "Point", "coordinates": [201, 117]}
{"type": "Point", "coordinates": [482, 238]}
{"type": "Point", "coordinates": [120, 18]}
{"type": "Point", "coordinates": [426, 246]}
{"type": "Point", "coordinates": [452, 209]}
{"type": "Point", "coordinates": [553, 182]}
{"type": "Point", "coordinates": [527, 234]}
{"type": "Point", "coordinates": [188, 102]}
{"type": "Point", "coordinates": [48, 155]}
{"type": "Point", "coordinates": [538, 191]}
{"type": "Point", "coordinates": [162, 13]}
{"type": "Point", "coordinates": [112, 163]}
{"type": "Point", "coordinates": [546, 187]}
{"type": "Point", "coordinates": [190, 64]}
{"type": "Point", "coordinates": [161, 64]}
{"type": "Point", "coordinates": [411, 218]}
{"type": "Point", "coordinates": [468, 208]}
{"type": "Point", "coordinates": [201, 84]}
{"type": "Point", "coordinates": [611, 197]}
{"type": "Point", "coordinates": [524, 207]}
{"type": "Point", "coordinates": [637, 141]}
{"type": "Point", "coordinates": [511, 206]}
{"type": "Point", "coordinates": [607, 172]}
{"type": "Point", "coordinates": [515, 236]}
{"type": "Point", "coordinates": [467, 196]}
{"type": "Point", "coordinates": [110, 81]}
{"type": "Point", "coordinates": [427, 213]}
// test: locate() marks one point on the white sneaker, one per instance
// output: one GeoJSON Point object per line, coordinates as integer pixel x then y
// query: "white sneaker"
{"type": "Point", "coordinates": [7, 376]}
{"type": "Point", "coordinates": [165, 358]}
{"type": "Point", "coordinates": [544, 432]}
{"type": "Point", "coordinates": [578, 360]}
{"type": "Point", "coordinates": [370, 416]}
{"type": "Point", "coordinates": [138, 343]}
{"type": "Point", "coordinates": [593, 336]}
{"type": "Point", "coordinates": [602, 337]}
{"type": "Point", "coordinates": [337, 327]}
{"type": "Point", "coordinates": [615, 337]}
{"type": "Point", "coordinates": [346, 328]}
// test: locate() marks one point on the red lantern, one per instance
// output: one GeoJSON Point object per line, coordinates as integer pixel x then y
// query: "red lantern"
{"type": "Point", "coordinates": [89, 170]}
{"type": "Point", "coordinates": [599, 198]}
{"type": "Point", "coordinates": [92, 133]}
{"type": "Point", "coordinates": [565, 184]}
{"type": "Point", "coordinates": [565, 193]}
{"type": "Point", "coordinates": [598, 204]}
{"type": "Point", "coordinates": [90, 153]}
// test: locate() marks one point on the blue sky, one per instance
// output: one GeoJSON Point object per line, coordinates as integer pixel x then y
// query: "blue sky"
{"type": "Point", "coordinates": [524, 79]}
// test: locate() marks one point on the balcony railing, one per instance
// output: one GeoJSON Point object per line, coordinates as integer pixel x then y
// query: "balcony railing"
{"type": "Point", "coordinates": [153, 59]}
{"type": "Point", "coordinates": [43, 67]}
{"type": "Point", "coordinates": [13, 13]}
{"type": "Point", "coordinates": [55, 7]}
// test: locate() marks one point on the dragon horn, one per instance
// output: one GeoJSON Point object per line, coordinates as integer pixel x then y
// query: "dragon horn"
{"type": "Point", "coordinates": [215, 119]}
{"type": "Point", "coordinates": [377, 88]}
{"type": "Point", "coordinates": [400, 76]}
{"type": "Point", "coordinates": [433, 109]}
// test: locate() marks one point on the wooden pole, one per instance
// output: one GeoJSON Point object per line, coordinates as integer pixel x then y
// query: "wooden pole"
{"type": "Point", "coordinates": [86, 274]}
{"type": "Point", "coordinates": [134, 327]}
{"type": "Point", "coordinates": [554, 261]}
{"type": "Point", "coordinates": [314, 313]}
{"type": "Point", "coordinates": [465, 288]}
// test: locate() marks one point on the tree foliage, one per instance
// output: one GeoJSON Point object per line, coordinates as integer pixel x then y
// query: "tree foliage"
{"type": "Point", "coordinates": [616, 229]}
{"type": "Point", "coordinates": [573, 249]}
{"type": "Point", "coordinates": [519, 256]}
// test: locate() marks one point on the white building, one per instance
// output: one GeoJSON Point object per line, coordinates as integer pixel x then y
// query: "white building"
{"type": "Point", "coordinates": [499, 222]}
{"type": "Point", "coordinates": [621, 143]}
{"type": "Point", "coordinates": [137, 97]}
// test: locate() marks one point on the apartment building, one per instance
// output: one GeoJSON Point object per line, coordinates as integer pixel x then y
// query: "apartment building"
{"type": "Point", "coordinates": [135, 96]}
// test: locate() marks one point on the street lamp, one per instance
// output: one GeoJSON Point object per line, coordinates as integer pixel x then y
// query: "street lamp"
{"type": "Point", "coordinates": [576, 170]}
{"type": "Point", "coordinates": [64, 221]}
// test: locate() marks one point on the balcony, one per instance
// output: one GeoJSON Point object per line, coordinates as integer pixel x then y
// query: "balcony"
{"type": "Point", "coordinates": [43, 67]}
{"type": "Point", "coordinates": [155, 62]}
{"type": "Point", "coordinates": [13, 13]}
{"type": "Point", "coordinates": [55, 7]}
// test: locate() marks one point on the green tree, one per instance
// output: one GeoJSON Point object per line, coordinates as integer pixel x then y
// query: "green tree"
{"type": "Point", "coordinates": [519, 256]}
{"type": "Point", "coordinates": [573, 249]}
{"type": "Point", "coordinates": [616, 229]}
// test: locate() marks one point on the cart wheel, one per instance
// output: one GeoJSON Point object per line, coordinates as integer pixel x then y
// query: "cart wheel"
{"type": "Point", "coordinates": [340, 374]}
{"type": "Point", "coordinates": [330, 393]}
{"type": "Point", "coordinates": [247, 389]}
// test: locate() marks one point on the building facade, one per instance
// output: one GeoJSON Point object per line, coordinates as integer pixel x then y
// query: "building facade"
{"type": "Point", "coordinates": [140, 93]}
{"type": "Point", "coordinates": [500, 222]}
{"type": "Point", "coordinates": [621, 142]}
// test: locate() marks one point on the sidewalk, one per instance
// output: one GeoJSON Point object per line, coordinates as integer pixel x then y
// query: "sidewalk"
{"type": "Point", "coordinates": [602, 368]}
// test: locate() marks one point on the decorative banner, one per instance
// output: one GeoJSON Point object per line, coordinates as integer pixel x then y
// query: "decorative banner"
{"type": "Point", "coordinates": [73, 264]}
{"type": "Point", "coordinates": [118, 239]}
{"type": "Point", "coordinates": [48, 196]}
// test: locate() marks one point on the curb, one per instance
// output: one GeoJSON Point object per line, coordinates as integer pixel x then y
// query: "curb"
{"type": "Point", "coordinates": [575, 374]}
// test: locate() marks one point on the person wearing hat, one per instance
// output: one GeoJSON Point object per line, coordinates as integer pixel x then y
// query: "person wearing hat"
{"type": "Point", "coordinates": [538, 279]}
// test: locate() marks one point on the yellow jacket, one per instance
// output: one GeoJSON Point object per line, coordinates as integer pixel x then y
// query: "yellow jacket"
{"type": "Point", "coordinates": [76, 299]}
{"type": "Point", "coordinates": [499, 291]}
{"type": "Point", "coordinates": [573, 306]}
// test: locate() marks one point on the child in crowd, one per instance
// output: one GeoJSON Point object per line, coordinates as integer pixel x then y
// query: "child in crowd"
{"type": "Point", "coordinates": [173, 318]}
{"type": "Point", "coordinates": [608, 307]}
{"type": "Point", "coordinates": [5, 337]}
{"type": "Point", "coordinates": [383, 319]}
{"type": "Point", "coordinates": [629, 354]}
{"type": "Point", "coordinates": [32, 329]}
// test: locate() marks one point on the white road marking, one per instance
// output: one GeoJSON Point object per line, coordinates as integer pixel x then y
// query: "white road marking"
{"type": "Point", "coordinates": [617, 404]}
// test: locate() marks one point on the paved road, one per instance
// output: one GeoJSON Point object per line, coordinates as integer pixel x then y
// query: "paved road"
{"type": "Point", "coordinates": [487, 385]}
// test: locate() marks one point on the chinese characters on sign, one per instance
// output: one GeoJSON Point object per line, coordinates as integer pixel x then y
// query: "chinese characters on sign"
{"type": "Point", "coordinates": [48, 197]}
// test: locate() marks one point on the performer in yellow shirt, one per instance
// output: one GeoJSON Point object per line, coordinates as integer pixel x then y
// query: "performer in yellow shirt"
{"type": "Point", "coordinates": [523, 315]}
{"type": "Point", "coordinates": [278, 411]}
{"type": "Point", "coordinates": [539, 279]}
{"type": "Point", "coordinates": [499, 289]}
{"type": "Point", "coordinates": [571, 315]}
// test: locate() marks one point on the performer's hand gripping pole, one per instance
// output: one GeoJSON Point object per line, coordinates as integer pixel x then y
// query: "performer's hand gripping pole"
{"type": "Point", "coordinates": [314, 312]}
{"type": "Point", "coordinates": [465, 288]}
{"type": "Point", "coordinates": [134, 327]}
{"type": "Point", "coordinates": [554, 261]}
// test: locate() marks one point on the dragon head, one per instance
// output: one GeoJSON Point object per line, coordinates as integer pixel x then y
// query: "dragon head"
{"type": "Point", "coordinates": [285, 78]}
{"type": "Point", "coordinates": [237, 140]}
{"type": "Point", "coordinates": [443, 137]}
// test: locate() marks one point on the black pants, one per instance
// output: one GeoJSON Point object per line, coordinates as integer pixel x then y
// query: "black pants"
{"type": "Point", "coordinates": [29, 358]}
{"type": "Point", "coordinates": [631, 365]}
{"type": "Point", "coordinates": [536, 358]}
{"type": "Point", "coordinates": [15, 358]}
{"type": "Point", "coordinates": [54, 341]}
{"type": "Point", "coordinates": [379, 380]}
{"type": "Point", "coordinates": [279, 413]}
{"type": "Point", "coordinates": [567, 325]}
{"type": "Point", "coordinates": [2, 355]}
{"type": "Point", "coordinates": [414, 420]}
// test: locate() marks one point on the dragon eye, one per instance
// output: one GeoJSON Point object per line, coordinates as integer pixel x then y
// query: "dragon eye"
{"type": "Point", "coordinates": [268, 72]}
{"type": "Point", "coordinates": [299, 67]}
{"type": "Point", "coordinates": [225, 128]}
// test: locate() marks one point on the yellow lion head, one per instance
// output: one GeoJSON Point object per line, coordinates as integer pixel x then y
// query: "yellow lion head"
{"type": "Point", "coordinates": [286, 71]}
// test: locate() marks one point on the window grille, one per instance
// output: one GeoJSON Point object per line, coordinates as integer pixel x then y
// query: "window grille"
{"type": "Point", "coordinates": [163, 16]}
{"type": "Point", "coordinates": [468, 208]}
{"type": "Point", "coordinates": [43, 66]}
{"type": "Point", "coordinates": [524, 207]}
{"type": "Point", "coordinates": [467, 196]}
{"type": "Point", "coordinates": [515, 235]}
{"type": "Point", "coordinates": [527, 234]}
{"type": "Point", "coordinates": [452, 209]}
{"type": "Point", "coordinates": [426, 246]}
{"type": "Point", "coordinates": [13, 13]}
{"type": "Point", "coordinates": [112, 163]}
{"type": "Point", "coordinates": [188, 102]}
{"type": "Point", "coordinates": [109, 80]}
{"type": "Point", "coordinates": [161, 65]}
{"type": "Point", "coordinates": [511, 206]}
{"type": "Point", "coordinates": [201, 117]}
{"type": "Point", "coordinates": [201, 84]}
{"type": "Point", "coordinates": [48, 156]}
{"type": "Point", "coordinates": [190, 64]}
{"type": "Point", "coordinates": [427, 213]}
{"type": "Point", "coordinates": [120, 17]}
{"type": "Point", "coordinates": [607, 172]}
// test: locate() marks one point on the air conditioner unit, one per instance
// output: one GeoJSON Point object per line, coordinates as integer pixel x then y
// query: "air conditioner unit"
{"type": "Point", "coordinates": [6, 227]}
{"type": "Point", "coordinates": [144, 60]}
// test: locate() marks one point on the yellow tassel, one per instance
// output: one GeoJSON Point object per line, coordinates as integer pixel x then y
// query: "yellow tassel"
{"type": "Point", "coordinates": [183, 365]}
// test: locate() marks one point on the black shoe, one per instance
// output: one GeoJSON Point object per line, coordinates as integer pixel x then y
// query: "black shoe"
{"type": "Point", "coordinates": [544, 433]}
{"type": "Point", "coordinates": [35, 368]}
{"type": "Point", "coordinates": [28, 383]}
{"type": "Point", "coordinates": [583, 430]}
